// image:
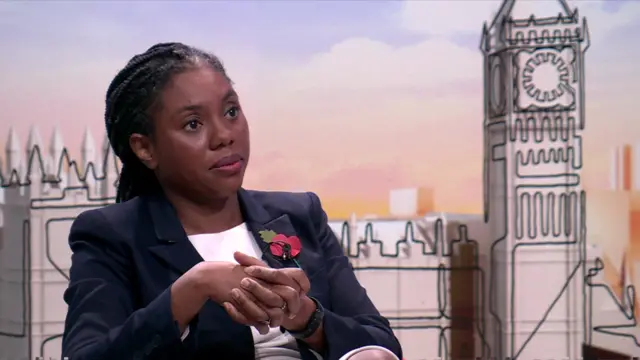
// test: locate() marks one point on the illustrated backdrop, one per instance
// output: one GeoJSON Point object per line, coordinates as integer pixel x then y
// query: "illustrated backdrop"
{"type": "Point", "coordinates": [380, 107]}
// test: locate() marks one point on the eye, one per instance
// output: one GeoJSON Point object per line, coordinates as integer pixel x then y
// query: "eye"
{"type": "Point", "coordinates": [192, 125]}
{"type": "Point", "coordinates": [232, 113]}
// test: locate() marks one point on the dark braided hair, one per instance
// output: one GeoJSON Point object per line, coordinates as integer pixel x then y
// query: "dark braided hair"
{"type": "Point", "coordinates": [132, 93]}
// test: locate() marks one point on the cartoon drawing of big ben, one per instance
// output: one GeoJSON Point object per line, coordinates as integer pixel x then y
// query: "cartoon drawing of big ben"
{"type": "Point", "coordinates": [534, 203]}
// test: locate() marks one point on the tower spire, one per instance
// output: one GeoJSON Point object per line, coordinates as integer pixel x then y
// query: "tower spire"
{"type": "Point", "coordinates": [12, 154]}
{"type": "Point", "coordinates": [519, 9]}
{"type": "Point", "coordinates": [34, 159]}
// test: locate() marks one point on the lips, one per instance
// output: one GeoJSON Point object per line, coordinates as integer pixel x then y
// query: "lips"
{"type": "Point", "coordinates": [227, 160]}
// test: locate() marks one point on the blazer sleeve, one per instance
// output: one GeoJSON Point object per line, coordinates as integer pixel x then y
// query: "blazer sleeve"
{"type": "Point", "coordinates": [101, 322]}
{"type": "Point", "coordinates": [353, 320]}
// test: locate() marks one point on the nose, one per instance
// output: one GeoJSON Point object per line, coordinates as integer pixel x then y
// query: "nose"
{"type": "Point", "coordinates": [221, 135]}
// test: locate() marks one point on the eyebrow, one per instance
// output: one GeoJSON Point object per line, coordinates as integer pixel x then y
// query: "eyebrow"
{"type": "Point", "coordinates": [231, 93]}
{"type": "Point", "coordinates": [189, 108]}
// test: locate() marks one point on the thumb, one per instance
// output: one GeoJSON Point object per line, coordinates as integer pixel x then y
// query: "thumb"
{"type": "Point", "coordinates": [246, 260]}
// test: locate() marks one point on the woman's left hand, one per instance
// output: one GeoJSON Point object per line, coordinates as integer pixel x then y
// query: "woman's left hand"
{"type": "Point", "coordinates": [292, 277]}
{"type": "Point", "coordinates": [280, 300]}
{"type": "Point", "coordinates": [281, 281]}
{"type": "Point", "coordinates": [277, 301]}
{"type": "Point", "coordinates": [290, 284]}
{"type": "Point", "coordinates": [295, 278]}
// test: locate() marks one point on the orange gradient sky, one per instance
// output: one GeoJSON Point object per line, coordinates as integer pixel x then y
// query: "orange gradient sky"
{"type": "Point", "coordinates": [344, 109]}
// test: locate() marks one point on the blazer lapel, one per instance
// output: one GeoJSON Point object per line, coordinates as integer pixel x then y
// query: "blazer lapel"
{"type": "Point", "coordinates": [173, 245]}
{"type": "Point", "coordinates": [258, 219]}
{"type": "Point", "coordinates": [175, 249]}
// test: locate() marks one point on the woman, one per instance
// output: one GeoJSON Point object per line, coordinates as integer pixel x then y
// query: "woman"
{"type": "Point", "coordinates": [173, 270]}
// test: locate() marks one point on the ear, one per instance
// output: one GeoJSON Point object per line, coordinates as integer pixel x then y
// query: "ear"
{"type": "Point", "coordinates": [143, 148]}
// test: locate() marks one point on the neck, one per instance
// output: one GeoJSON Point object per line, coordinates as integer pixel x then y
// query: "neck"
{"type": "Point", "coordinates": [206, 218]}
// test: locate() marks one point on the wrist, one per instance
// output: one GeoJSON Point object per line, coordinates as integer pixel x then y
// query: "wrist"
{"type": "Point", "coordinates": [307, 308]}
{"type": "Point", "coordinates": [187, 298]}
{"type": "Point", "coordinates": [198, 282]}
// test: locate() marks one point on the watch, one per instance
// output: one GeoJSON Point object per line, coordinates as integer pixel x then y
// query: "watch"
{"type": "Point", "coordinates": [312, 325]}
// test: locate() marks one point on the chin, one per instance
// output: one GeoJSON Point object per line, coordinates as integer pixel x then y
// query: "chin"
{"type": "Point", "coordinates": [228, 187]}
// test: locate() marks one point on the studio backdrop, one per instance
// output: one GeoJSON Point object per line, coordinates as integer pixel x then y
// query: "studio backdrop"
{"type": "Point", "coordinates": [479, 160]}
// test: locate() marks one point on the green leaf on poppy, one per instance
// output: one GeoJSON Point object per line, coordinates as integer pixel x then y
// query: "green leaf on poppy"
{"type": "Point", "coordinates": [267, 235]}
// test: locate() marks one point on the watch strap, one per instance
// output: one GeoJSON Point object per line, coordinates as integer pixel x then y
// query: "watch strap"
{"type": "Point", "coordinates": [312, 325]}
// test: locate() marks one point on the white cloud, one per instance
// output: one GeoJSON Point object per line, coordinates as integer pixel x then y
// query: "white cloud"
{"type": "Point", "coordinates": [446, 17]}
{"type": "Point", "coordinates": [368, 65]}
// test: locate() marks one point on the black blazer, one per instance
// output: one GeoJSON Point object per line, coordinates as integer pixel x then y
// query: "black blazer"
{"type": "Point", "coordinates": [126, 256]}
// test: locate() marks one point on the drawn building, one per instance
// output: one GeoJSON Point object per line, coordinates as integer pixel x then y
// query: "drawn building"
{"type": "Point", "coordinates": [511, 284]}
{"type": "Point", "coordinates": [534, 203]}
{"type": "Point", "coordinates": [421, 271]}
{"type": "Point", "coordinates": [43, 192]}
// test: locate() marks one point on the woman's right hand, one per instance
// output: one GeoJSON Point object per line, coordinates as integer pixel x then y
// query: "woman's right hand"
{"type": "Point", "coordinates": [216, 279]}
{"type": "Point", "coordinates": [219, 280]}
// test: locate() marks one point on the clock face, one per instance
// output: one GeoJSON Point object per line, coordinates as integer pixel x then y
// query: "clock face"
{"type": "Point", "coordinates": [497, 86]}
{"type": "Point", "coordinates": [545, 77]}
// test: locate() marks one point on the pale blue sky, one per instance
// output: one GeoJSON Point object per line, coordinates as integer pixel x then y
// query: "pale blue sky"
{"type": "Point", "coordinates": [295, 28]}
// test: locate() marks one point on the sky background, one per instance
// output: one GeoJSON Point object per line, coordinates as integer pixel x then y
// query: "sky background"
{"type": "Point", "coordinates": [345, 98]}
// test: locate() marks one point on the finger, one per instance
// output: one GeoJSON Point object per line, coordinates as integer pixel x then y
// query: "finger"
{"type": "Point", "coordinates": [300, 278]}
{"type": "Point", "coordinates": [252, 311]}
{"type": "Point", "coordinates": [279, 308]}
{"type": "Point", "coordinates": [262, 293]}
{"type": "Point", "coordinates": [273, 276]}
{"type": "Point", "coordinates": [291, 298]}
{"type": "Point", "coordinates": [276, 315]}
{"type": "Point", "coordinates": [262, 329]}
{"type": "Point", "coordinates": [239, 318]}
{"type": "Point", "coordinates": [235, 314]}
{"type": "Point", "coordinates": [246, 260]}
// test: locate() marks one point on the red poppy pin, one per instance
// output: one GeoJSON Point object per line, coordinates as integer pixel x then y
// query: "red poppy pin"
{"type": "Point", "coordinates": [282, 246]}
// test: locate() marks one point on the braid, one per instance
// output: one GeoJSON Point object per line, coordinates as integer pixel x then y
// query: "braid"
{"type": "Point", "coordinates": [129, 97]}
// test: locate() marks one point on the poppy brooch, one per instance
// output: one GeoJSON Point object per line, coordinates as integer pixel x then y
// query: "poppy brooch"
{"type": "Point", "coordinates": [282, 246]}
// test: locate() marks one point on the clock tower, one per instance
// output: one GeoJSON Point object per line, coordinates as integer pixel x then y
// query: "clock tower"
{"type": "Point", "coordinates": [533, 200]}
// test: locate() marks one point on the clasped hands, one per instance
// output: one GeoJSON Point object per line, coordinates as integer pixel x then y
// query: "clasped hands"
{"type": "Point", "coordinates": [263, 297]}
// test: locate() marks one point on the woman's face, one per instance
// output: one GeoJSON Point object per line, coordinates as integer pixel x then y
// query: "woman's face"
{"type": "Point", "coordinates": [200, 142]}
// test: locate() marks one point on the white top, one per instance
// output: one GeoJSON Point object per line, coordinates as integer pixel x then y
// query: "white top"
{"type": "Point", "coordinates": [275, 345]}
{"type": "Point", "coordinates": [220, 247]}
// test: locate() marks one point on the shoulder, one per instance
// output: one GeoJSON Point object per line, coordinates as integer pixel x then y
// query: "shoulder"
{"type": "Point", "coordinates": [285, 202]}
{"type": "Point", "coordinates": [300, 205]}
{"type": "Point", "coordinates": [115, 219]}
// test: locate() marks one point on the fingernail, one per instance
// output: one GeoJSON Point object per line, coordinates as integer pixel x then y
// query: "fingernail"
{"type": "Point", "coordinates": [251, 270]}
{"type": "Point", "coordinates": [292, 316]}
{"type": "Point", "coordinates": [245, 283]}
{"type": "Point", "coordinates": [235, 293]}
